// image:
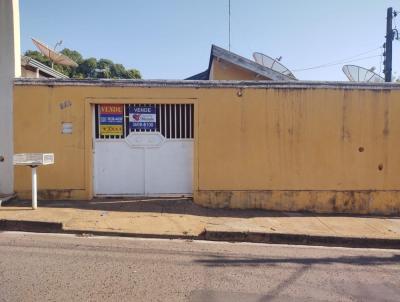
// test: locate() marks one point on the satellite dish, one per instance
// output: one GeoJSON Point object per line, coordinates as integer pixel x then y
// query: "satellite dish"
{"type": "Point", "coordinates": [274, 64]}
{"type": "Point", "coordinates": [360, 74]}
{"type": "Point", "coordinates": [54, 56]}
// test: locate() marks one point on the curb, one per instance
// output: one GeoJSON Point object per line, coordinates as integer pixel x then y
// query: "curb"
{"type": "Point", "coordinates": [30, 226]}
{"type": "Point", "coordinates": [57, 227]}
{"type": "Point", "coordinates": [253, 237]}
{"type": "Point", "coordinates": [303, 239]}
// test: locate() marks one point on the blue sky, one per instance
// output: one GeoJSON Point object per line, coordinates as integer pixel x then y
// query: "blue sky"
{"type": "Point", "coordinates": [171, 39]}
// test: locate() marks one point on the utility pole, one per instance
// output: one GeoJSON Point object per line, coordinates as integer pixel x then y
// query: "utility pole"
{"type": "Point", "coordinates": [388, 46]}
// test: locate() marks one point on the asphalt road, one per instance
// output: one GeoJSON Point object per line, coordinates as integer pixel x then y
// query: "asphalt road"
{"type": "Point", "coordinates": [35, 267]}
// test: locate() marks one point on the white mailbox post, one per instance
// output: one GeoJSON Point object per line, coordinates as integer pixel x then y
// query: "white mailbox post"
{"type": "Point", "coordinates": [33, 160]}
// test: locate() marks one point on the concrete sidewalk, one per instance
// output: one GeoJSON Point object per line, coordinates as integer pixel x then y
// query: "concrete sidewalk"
{"type": "Point", "coordinates": [180, 218]}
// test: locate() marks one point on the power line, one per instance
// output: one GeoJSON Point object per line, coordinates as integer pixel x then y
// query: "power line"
{"type": "Point", "coordinates": [343, 62]}
{"type": "Point", "coordinates": [337, 62]}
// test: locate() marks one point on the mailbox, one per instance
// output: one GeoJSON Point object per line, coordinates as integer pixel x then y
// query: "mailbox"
{"type": "Point", "coordinates": [33, 160]}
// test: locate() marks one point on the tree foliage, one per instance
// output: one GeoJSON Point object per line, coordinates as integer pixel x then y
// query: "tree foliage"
{"type": "Point", "coordinates": [87, 68]}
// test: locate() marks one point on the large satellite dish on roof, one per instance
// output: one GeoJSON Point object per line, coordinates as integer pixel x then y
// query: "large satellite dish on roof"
{"type": "Point", "coordinates": [54, 56]}
{"type": "Point", "coordinates": [274, 64]}
{"type": "Point", "coordinates": [360, 74]}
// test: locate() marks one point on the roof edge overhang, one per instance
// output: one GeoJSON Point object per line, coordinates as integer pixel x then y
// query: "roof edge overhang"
{"type": "Point", "coordinates": [199, 76]}
{"type": "Point", "coordinates": [42, 67]}
{"type": "Point", "coordinates": [205, 84]}
{"type": "Point", "coordinates": [228, 56]}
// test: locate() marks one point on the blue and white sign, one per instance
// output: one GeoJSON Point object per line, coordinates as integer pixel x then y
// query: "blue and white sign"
{"type": "Point", "coordinates": [111, 119]}
{"type": "Point", "coordinates": [142, 118]}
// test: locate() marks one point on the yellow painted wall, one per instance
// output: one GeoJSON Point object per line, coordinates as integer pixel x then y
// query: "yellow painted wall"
{"type": "Point", "coordinates": [222, 70]}
{"type": "Point", "coordinates": [287, 149]}
{"type": "Point", "coordinates": [280, 149]}
{"type": "Point", "coordinates": [300, 139]}
{"type": "Point", "coordinates": [38, 117]}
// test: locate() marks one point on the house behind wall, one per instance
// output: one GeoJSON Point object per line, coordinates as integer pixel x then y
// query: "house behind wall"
{"type": "Point", "coordinates": [226, 65]}
{"type": "Point", "coordinates": [320, 147]}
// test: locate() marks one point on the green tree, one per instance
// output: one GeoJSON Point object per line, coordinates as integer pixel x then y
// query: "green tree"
{"type": "Point", "coordinates": [87, 68]}
{"type": "Point", "coordinates": [36, 55]}
{"type": "Point", "coordinates": [118, 71]}
{"type": "Point", "coordinates": [133, 74]}
{"type": "Point", "coordinates": [104, 68]}
{"type": "Point", "coordinates": [72, 54]}
{"type": "Point", "coordinates": [104, 63]}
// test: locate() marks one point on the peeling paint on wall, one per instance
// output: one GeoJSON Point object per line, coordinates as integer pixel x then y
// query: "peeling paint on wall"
{"type": "Point", "coordinates": [65, 104]}
{"type": "Point", "coordinates": [347, 202]}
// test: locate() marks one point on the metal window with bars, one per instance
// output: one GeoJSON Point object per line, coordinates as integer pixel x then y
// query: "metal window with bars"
{"type": "Point", "coordinates": [174, 121]}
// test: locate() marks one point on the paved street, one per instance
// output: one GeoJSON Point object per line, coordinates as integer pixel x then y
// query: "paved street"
{"type": "Point", "coordinates": [36, 267]}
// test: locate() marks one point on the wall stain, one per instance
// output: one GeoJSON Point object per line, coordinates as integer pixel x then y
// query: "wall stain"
{"type": "Point", "coordinates": [55, 194]}
{"type": "Point", "coordinates": [386, 122]}
{"type": "Point", "coordinates": [334, 203]}
{"type": "Point", "coordinates": [368, 202]}
{"type": "Point", "coordinates": [65, 104]}
{"type": "Point", "coordinates": [345, 131]}
{"type": "Point", "coordinates": [278, 128]}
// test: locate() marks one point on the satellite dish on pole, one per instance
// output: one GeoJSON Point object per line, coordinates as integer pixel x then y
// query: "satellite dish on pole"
{"type": "Point", "coordinates": [274, 64]}
{"type": "Point", "coordinates": [54, 56]}
{"type": "Point", "coordinates": [360, 74]}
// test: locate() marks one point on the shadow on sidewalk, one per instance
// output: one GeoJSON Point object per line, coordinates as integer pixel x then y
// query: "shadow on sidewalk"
{"type": "Point", "coordinates": [184, 206]}
{"type": "Point", "coordinates": [171, 205]}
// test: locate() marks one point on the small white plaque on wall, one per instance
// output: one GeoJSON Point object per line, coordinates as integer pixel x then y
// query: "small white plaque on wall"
{"type": "Point", "coordinates": [66, 128]}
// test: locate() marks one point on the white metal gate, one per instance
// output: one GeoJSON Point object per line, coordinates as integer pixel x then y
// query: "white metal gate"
{"type": "Point", "coordinates": [146, 162]}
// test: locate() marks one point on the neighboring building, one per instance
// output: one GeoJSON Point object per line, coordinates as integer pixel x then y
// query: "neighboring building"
{"type": "Point", "coordinates": [226, 65]}
{"type": "Point", "coordinates": [31, 68]}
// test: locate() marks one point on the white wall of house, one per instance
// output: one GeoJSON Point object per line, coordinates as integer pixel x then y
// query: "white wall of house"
{"type": "Point", "coordinates": [10, 67]}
